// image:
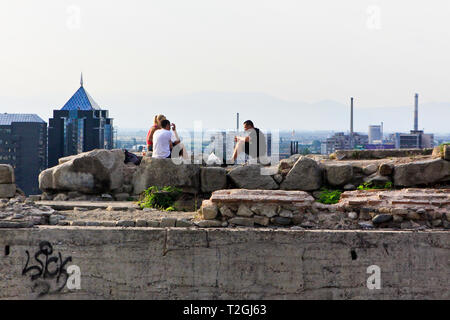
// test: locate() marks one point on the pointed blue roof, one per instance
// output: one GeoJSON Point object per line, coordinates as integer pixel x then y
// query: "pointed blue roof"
{"type": "Point", "coordinates": [81, 100]}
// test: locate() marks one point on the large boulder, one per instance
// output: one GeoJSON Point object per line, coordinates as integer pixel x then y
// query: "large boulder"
{"type": "Point", "coordinates": [338, 174]}
{"type": "Point", "coordinates": [7, 190]}
{"type": "Point", "coordinates": [306, 175]}
{"type": "Point", "coordinates": [252, 177]}
{"type": "Point", "coordinates": [95, 171]}
{"type": "Point", "coordinates": [213, 178]}
{"type": "Point", "coordinates": [426, 172]}
{"type": "Point", "coordinates": [165, 172]}
{"type": "Point", "coordinates": [6, 174]}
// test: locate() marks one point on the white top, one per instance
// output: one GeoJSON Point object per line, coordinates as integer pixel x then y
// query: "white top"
{"type": "Point", "coordinates": [161, 143]}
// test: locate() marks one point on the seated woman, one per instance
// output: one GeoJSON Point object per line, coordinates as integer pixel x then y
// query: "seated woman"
{"type": "Point", "coordinates": [156, 125]}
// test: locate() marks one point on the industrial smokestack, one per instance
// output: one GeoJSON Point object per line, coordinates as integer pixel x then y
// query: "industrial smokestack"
{"type": "Point", "coordinates": [237, 121]}
{"type": "Point", "coordinates": [351, 116]}
{"type": "Point", "coordinates": [351, 123]}
{"type": "Point", "coordinates": [416, 112]}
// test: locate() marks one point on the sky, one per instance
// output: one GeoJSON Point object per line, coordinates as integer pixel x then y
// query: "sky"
{"type": "Point", "coordinates": [135, 54]}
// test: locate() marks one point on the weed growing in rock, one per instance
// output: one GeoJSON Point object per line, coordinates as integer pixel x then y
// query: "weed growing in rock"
{"type": "Point", "coordinates": [371, 185]}
{"type": "Point", "coordinates": [329, 196]}
{"type": "Point", "coordinates": [163, 199]}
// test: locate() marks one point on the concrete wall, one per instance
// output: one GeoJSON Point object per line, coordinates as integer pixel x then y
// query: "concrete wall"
{"type": "Point", "coordinates": [226, 264]}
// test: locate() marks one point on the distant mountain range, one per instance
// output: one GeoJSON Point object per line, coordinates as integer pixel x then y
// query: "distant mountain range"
{"type": "Point", "coordinates": [218, 111]}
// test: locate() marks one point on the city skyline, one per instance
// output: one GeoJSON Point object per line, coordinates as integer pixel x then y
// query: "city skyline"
{"type": "Point", "coordinates": [379, 52]}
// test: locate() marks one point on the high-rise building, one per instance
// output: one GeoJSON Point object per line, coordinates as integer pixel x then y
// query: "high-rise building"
{"type": "Point", "coordinates": [23, 145]}
{"type": "Point", "coordinates": [80, 126]}
{"type": "Point", "coordinates": [375, 134]}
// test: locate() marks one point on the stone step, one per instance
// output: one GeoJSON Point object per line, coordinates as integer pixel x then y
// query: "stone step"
{"type": "Point", "coordinates": [89, 205]}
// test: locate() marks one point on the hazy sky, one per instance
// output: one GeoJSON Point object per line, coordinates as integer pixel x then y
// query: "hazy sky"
{"type": "Point", "coordinates": [381, 52]}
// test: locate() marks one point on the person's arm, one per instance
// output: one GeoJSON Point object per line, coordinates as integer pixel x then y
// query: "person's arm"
{"type": "Point", "coordinates": [152, 131]}
{"type": "Point", "coordinates": [174, 128]}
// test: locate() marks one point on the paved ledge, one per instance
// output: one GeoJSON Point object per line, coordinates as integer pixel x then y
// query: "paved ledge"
{"type": "Point", "coordinates": [90, 205]}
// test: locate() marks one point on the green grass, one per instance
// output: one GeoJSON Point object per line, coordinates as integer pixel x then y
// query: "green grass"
{"type": "Point", "coordinates": [162, 199]}
{"type": "Point", "coordinates": [371, 186]}
{"type": "Point", "coordinates": [329, 196]}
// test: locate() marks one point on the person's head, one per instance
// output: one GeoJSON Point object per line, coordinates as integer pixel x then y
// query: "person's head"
{"type": "Point", "coordinates": [165, 124]}
{"type": "Point", "coordinates": [248, 125]}
{"type": "Point", "coordinates": [158, 118]}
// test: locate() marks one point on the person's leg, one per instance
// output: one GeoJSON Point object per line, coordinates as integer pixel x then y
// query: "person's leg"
{"type": "Point", "coordinates": [240, 146]}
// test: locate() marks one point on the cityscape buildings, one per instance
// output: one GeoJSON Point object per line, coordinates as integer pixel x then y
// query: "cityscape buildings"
{"type": "Point", "coordinates": [23, 145]}
{"type": "Point", "coordinates": [80, 126]}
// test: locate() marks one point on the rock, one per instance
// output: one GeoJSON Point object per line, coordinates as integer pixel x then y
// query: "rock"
{"type": "Point", "coordinates": [106, 197]}
{"type": "Point", "coordinates": [73, 194]}
{"type": "Point", "coordinates": [282, 221]}
{"type": "Point", "coordinates": [182, 223]}
{"type": "Point", "coordinates": [446, 153]}
{"type": "Point", "coordinates": [353, 215]}
{"type": "Point", "coordinates": [349, 186]}
{"type": "Point", "coordinates": [421, 211]}
{"type": "Point", "coordinates": [125, 223]}
{"type": "Point", "coordinates": [153, 223]}
{"type": "Point", "coordinates": [16, 224]}
{"type": "Point", "coordinates": [370, 169]}
{"type": "Point", "coordinates": [338, 174]}
{"type": "Point", "coordinates": [386, 169]}
{"type": "Point", "coordinates": [446, 224]}
{"type": "Point", "coordinates": [168, 222]}
{"type": "Point", "coordinates": [34, 197]}
{"type": "Point", "coordinates": [209, 210]}
{"type": "Point", "coordinates": [212, 179]}
{"type": "Point", "coordinates": [405, 225]}
{"type": "Point", "coordinates": [366, 225]}
{"type": "Point", "coordinates": [7, 190]}
{"type": "Point", "coordinates": [122, 196]}
{"type": "Point", "coordinates": [209, 223]}
{"type": "Point", "coordinates": [265, 210]}
{"type": "Point", "coordinates": [240, 221]}
{"type": "Point", "coordinates": [141, 223]}
{"type": "Point", "coordinates": [107, 223]}
{"type": "Point", "coordinates": [18, 216]}
{"type": "Point", "coordinates": [165, 172]}
{"type": "Point", "coordinates": [244, 211]}
{"type": "Point", "coordinates": [399, 211]}
{"type": "Point", "coordinates": [377, 179]}
{"type": "Point", "coordinates": [397, 218]}
{"type": "Point", "coordinates": [380, 218]}
{"type": "Point", "coordinates": [6, 174]}
{"type": "Point", "coordinates": [305, 175]}
{"type": "Point", "coordinates": [250, 177]}
{"type": "Point", "coordinates": [297, 218]}
{"type": "Point", "coordinates": [422, 173]}
{"type": "Point", "coordinates": [278, 178]}
{"type": "Point", "coordinates": [93, 224]}
{"type": "Point", "coordinates": [308, 224]}
{"type": "Point", "coordinates": [78, 223]}
{"type": "Point", "coordinates": [285, 213]}
{"type": "Point", "coordinates": [436, 223]}
{"type": "Point", "coordinates": [149, 209]}
{"type": "Point", "coordinates": [263, 221]}
{"type": "Point", "coordinates": [61, 197]}
{"type": "Point", "coordinates": [413, 215]}
{"type": "Point", "coordinates": [226, 211]}
{"type": "Point", "coordinates": [95, 171]}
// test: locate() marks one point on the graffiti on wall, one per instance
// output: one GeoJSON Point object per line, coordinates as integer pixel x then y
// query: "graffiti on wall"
{"type": "Point", "coordinates": [49, 271]}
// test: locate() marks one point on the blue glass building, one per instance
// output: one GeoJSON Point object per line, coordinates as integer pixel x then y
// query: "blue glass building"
{"type": "Point", "coordinates": [79, 126]}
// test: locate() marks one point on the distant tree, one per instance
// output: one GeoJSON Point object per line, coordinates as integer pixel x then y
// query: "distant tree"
{"type": "Point", "coordinates": [305, 151]}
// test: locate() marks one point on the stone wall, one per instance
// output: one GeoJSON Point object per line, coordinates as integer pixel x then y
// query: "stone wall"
{"type": "Point", "coordinates": [223, 264]}
{"type": "Point", "coordinates": [102, 173]}
{"type": "Point", "coordinates": [362, 209]}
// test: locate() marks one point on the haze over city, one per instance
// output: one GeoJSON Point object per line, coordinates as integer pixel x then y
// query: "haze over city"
{"type": "Point", "coordinates": [283, 64]}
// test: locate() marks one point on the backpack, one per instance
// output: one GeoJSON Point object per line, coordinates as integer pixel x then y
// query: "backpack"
{"type": "Point", "coordinates": [131, 157]}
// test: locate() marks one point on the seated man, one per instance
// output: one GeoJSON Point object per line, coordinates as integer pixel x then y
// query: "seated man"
{"type": "Point", "coordinates": [253, 143]}
{"type": "Point", "coordinates": [163, 141]}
